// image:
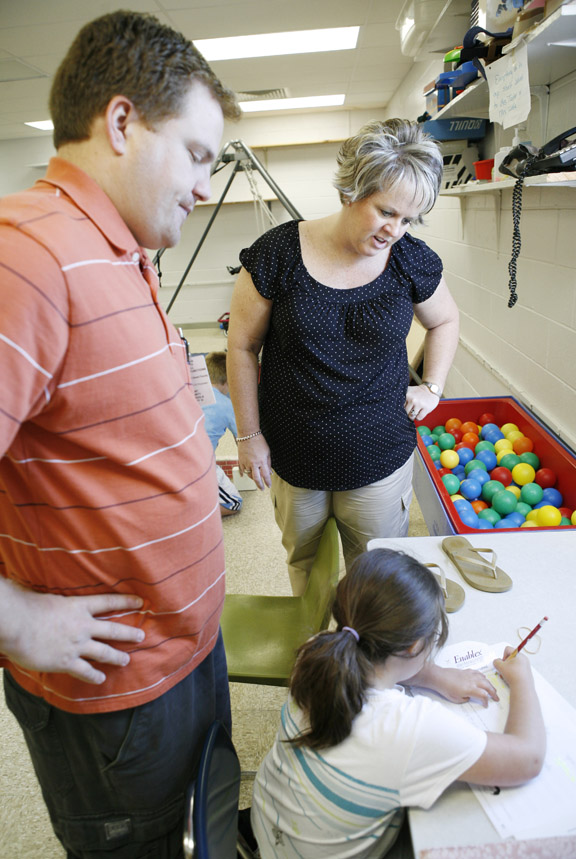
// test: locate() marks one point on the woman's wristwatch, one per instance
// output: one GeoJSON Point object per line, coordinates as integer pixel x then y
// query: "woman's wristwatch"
{"type": "Point", "coordinates": [435, 389]}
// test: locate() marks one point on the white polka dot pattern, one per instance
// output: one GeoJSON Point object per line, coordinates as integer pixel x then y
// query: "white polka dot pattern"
{"type": "Point", "coordinates": [334, 364]}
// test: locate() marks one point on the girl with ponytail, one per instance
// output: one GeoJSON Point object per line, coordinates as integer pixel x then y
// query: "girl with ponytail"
{"type": "Point", "coordinates": [353, 750]}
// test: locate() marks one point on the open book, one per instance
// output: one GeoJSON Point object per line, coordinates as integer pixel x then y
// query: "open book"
{"type": "Point", "coordinates": [545, 806]}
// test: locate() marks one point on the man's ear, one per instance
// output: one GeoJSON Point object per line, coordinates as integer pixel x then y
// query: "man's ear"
{"type": "Point", "coordinates": [120, 113]}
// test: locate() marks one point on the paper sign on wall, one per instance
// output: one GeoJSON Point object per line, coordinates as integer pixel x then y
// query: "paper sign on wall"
{"type": "Point", "coordinates": [509, 88]}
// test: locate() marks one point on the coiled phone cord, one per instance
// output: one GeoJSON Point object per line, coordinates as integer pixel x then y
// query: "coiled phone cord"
{"type": "Point", "coordinates": [516, 239]}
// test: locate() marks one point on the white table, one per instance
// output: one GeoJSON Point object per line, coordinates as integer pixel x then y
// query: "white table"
{"type": "Point", "coordinates": [542, 565]}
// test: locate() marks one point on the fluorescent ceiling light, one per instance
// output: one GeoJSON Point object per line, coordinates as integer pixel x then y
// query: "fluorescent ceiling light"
{"type": "Point", "coordinates": [291, 103]}
{"type": "Point", "coordinates": [275, 44]}
{"type": "Point", "coordinates": [43, 125]}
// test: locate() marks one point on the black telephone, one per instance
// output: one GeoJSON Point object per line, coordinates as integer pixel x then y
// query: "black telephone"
{"type": "Point", "coordinates": [557, 156]}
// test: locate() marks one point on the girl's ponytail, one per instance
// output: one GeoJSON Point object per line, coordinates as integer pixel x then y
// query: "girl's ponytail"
{"type": "Point", "coordinates": [384, 605]}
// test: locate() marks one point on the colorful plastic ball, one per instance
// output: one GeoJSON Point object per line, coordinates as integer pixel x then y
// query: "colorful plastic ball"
{"type": "Point", "coordinates": [469, 518]}
{"type": "Point", "coordinates": [573, 518]}
{"type": "Point", "coordinates": [488, 457]}
{"type": "Point", "coordinates": [523, 508]}
{"type": "Point", "coordinates": [465, 454]}
{"type": "Point", "coordinates": [437, 463]}
{"type": "Point", "coordinates": [456, 433]}
{"type": "Point", "coordinates": [514, 519]}
{"type": "Point", "coordinates": [459, 471]}
{"type": "Point", "coordinates": [443, 470]}
{"type": "Point", "coordinates": [434, 436]}
{"type": "Point", "coordinates": [484, 525]}
{"type": "Point", "coordinates": [531, 494]}
{"type": "Point", "coordinates": [422, 430]}
{"type": "Point", "coordinates": [501, 454]}
{"type": "Point", "coordinates": [566, 511]}
{"type": "Point", "coordinates": [504, 475]}
{"type": "Point", "coordinates": [446, 441]}
{"type": "Point", "coordinates": [512, 436]}
{"type": "Point", "coordinates": [523, 445]}
{"type": "Point", "coordinates": [532, 516]}
{"type": "Point", "coordinates": [486, 418]}
{"type": "Point", "coordinates": [509, 427]}
{"type": "Point", "coordinates": [484, 445]}
{"type": "Point", "coordinates": [434, 452]}
{"type": "Point", "coordinates": [427, 440]}
{"type": "Point", "coordinates": [490, 488]}
{"type": "Point", "coordinates": [509, 461]}
{"type": "Point", "coordinates": [553, 497]}
{"type": "Point", "coordinates": [504, 502]}
{"type": "Point", "coordinates": [545, 478]}
{"type": "Point", "coordinates": [474, 463]}
{"type": "Point", "coordinates": [439, 430]}
{"type": "Point", "coordinates": [453, 423]}
{"type": "Point", "coordinates": [502, 444]}
{"type": "Point", "coordinates": [515, 490]}
{"type": "Point", "coordinates": [470, 489]}
{"type": "Point", "coordinates": [478, 505]}
{"type": "Point", "coordinates": [470, 426]}
{"type": "Point", "coordinates": [478, 474]}
{"type": "Point", "coordinates": [457, 497]}
{"type": "Point", "coordinates": [528, 524]}
{"type": "Point", "coordinates": [449, 458]}
{"type": "Point", "coordinates": [489, 515]}
{"type": "Point", "coordinates": [548, 517]}
{"type": "Point", "coordinates": [523, 473]}
{"type": "Point", "coordinates": [470, 438]}
{"type": "Point", "coordinates": [489, 428]}
{"type": "Point", "coordinates": [451, 483]}
{"type": "Point", "coordinates": [565, 522]}
{"type": "Point", "coordinates": [494, 436]}
{"type": "Point", "coordinates": [503, 523]}
{"type": "Point", "coordinates": [464, 504]}
{"type": "Point", "coordinates": [531, 459]}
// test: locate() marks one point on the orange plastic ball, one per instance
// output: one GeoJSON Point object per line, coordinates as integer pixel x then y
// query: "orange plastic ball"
{"type": "Point", "coordinates": [471, 438]}
{"type": "Point", "coordinates": [478, 505]}
{"type": "Point", "coordinates": [469, 426]}
{"type": "Point", "coordinates": [453, 423]}
{"type": "Point", "coordinates": [522, 445]}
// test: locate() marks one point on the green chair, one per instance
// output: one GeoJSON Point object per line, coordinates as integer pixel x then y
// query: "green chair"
{"type": "Point", "coordinates": [262, 633]}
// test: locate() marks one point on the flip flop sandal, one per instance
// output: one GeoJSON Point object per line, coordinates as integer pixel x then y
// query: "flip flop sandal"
{"type": "Point", "coordinates": [481, 573]}
{"type": "Point", "coordinates": [453, 593]}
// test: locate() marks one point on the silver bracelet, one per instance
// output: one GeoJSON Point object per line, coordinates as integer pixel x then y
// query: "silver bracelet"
{"type": "Point", "coordinates": [246, 437]}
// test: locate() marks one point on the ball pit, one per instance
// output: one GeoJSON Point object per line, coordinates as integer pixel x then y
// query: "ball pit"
{"type": "Point", "coordinates": [520, 465]}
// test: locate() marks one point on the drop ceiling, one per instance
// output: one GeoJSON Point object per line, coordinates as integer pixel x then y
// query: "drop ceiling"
{"type": "Point", "coordinates": [35, 34]}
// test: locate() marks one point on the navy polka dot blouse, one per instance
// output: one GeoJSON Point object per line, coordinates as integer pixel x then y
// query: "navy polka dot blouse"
{"type": "Point", "coordinates": [334, 363]}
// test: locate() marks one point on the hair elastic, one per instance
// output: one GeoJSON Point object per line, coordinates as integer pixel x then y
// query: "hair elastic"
{"type": "Point", "coordinates": [353, 631]}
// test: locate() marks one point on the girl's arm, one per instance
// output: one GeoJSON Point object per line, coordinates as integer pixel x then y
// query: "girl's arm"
{"type": "Point", "coordinates": [249, 321]}
{"type": "Point", "coordinates": [455, 684]}
{"type": "Point", "coordinates": [518, 754]}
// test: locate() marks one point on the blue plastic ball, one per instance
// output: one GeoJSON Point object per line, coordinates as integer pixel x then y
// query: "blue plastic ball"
{"type": "Point", "coordinates": [480, 475]}
{"type": "Point", "coordinates": [427, 439]}
{"type": "Point", "coordinates": [488, 458]}
{"type": "Point", "coordinates": [514, 520]}
{"type": "Point", "coordinates": [470, 489]}
{"type": "Point", "coordinates": [553, 497]}
{"type": "Point", "coordinates": [469, 518]}
{"type": "Point", "coordinates": [484, 525]}
{"type": "Point", "coordinates": [465, 455]}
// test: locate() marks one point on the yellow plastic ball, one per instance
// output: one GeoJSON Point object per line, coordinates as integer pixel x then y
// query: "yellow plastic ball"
{"type": "Point", "coordinates": [457, 497]}
{"type": "Point", "coordinates": [515, 490]}
{"type": "Point", "coordinates": [506, 428]}
{"type": "Point", "coordinates": [503, 444]}
{"type": "Point", "coordinates": [502, 453]}
{"type": "Point", "coordinates": [529, 524]}
{"type": "Point", "coordinates": [548, 516]}
{"type": "Point", "coordinates": [449, 458]}
{"type": "Point", "coordinates": [532, 516]}
{"type": "Point", "coordinates": [522, 473]}
{"type": "Point", "coordinates": [513, 435]}
{"type": "Point", "coordinates": [573, 518]}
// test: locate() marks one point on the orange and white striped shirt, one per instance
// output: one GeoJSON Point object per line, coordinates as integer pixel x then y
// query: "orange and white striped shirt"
{"type": "Point", "coordinates": [107, 479]}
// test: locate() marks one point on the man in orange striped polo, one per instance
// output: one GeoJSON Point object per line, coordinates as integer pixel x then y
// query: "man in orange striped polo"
{"type": "Point", "coordinates": [111, 553]}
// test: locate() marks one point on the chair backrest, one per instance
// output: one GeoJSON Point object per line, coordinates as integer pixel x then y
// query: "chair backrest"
{"type": "Point", "coordinates": [211, 820]}
{"type": "Point", "coordinates": [318, 597]}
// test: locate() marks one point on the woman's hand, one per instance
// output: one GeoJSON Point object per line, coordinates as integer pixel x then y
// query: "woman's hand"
{"type": "Point", "coordinates": [254, 460]}
{"type": "Point", "coordinates": [420, 401]}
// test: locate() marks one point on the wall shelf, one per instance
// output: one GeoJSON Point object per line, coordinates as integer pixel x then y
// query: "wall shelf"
{"type": "Point", "coordinates": [551, 55]}
{"type": "Point", "coordinates": [495, 187]}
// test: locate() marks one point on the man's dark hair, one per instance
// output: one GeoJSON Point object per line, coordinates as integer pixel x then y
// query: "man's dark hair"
{"type": "Point", "coordinates": [130, 54]}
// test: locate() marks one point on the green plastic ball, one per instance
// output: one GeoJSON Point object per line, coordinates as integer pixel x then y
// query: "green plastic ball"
{"type": "Point", "coordinates": [439, 430]}
{"type": "Point", "coordinates": [434, 452]}
{"type": "Point", "coordinates": [531, 493]}
{"type": "Point", "coordinates": [446, 441]}
{"type": "Point", "coordinates": [531, 459]}
{"type": "Point", "coordinates": [424, 430]}
{"type": "Point", "coordinates": [504, 502]}
{"type": "Point", "coordinates": [509, 461]}
{"type": "Point", "coordinates": [451, 483]}
{"type": "Point", "coordinates": [490, 488]}
{"type": "Point", "coordinates": [474, 463]}
{"type": "Point", "coordinates": [484, 445]}
{"type": "Point", "coordinates": [490, 515]}
{"type": "Point", "coordinates": [523, 508]}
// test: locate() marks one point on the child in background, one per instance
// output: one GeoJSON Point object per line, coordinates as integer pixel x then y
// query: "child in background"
{"type": "Point", "coordinates": [353, 749]}
{"type": "Point", "coordinates": [219, 417]}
